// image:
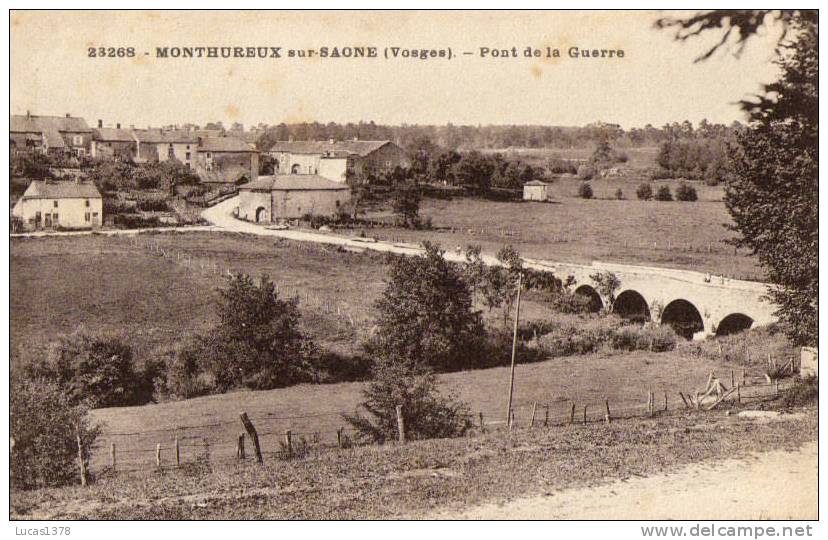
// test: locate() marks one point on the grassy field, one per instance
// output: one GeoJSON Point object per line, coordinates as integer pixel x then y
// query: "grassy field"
{"type": "Point", "coordinates": [382, 482]}
{"type": "Point", "coordinates": [639, 158]}
{"type": "Point", "coordinates": [314, 411]}
{"type": "Point", "coordinates": [110, 284]}
{"type": "Point", "coordinates": [671, 234]}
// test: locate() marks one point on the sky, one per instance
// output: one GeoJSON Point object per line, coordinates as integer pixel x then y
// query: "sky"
{"type": "Point", "coordinates": [655, 82]}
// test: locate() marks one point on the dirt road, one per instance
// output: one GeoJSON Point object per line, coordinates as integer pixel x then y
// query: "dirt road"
{"type": "Point", "coordinates": [772, 485]}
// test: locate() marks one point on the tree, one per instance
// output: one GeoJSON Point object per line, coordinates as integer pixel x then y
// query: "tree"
{"type": "Point", "coordinates": [686, 192]}
{"type": "Point", "coordinates": [772, 192]}
{"type": "Point", "coordinates": [426, 315]}
{"type": "Point", "coordinates": [257, 342]}
{"type": "Point", "coordinates": [585, 190]}
{"type": "Point", "coordinates": [607, 284]}
{"type": "Point", "coordinates": [644, 192]}
{"type": "Point", "coordinates": [95, 369]}
{"type": "Point", "coordinates": [406, 204]}
{"type": "Point", "coordinates": [413, 386]}
{"type": "Point", "coordinates": [44, 424]}
{"type": "Point", "coordinates": [664, 194]}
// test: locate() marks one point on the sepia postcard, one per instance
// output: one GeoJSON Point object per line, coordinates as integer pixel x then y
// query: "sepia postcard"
{"type": "Point", "coordinates": [418, 265]}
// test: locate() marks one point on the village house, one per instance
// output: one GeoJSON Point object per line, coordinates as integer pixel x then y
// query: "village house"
{"type": "Point", "coordinates": [66, 205]}
{"type": "Point", "coordinates": [110, 143]}
{"type": "Point", "coordinates": [277, 197]}
{"type": "Point", "coordinates": [338, 160]}
{"type": "Point", "coordinates": [535, 191]}
{"type": "Point", "coordinates": [66, 135]}
{"type": "Point", "coordinates": [226, 160]}
{"type": "Point", "coordinates": [158, 145]}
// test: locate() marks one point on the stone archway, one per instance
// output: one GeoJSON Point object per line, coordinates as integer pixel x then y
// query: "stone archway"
{"type": "Point", "coordinates": [632, 306]}
{"type": "Point", "coordinates": [261, 214]}
{"type": "Point", "coordinates": [683, 317]}
{"type": "Point", "coordinates": [591, 295]}
{"type": "Point", "coordinates": [295, 169]}
{"type": "Point", "coordinates": [733, 324]}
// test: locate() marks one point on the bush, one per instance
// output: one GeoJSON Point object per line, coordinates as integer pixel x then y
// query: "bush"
{"type": "Point", "coordinates": [587, 171]}
{"type": "Point", "coordinates": [425, 412]}
{"type": "Point", "coordinates": [153, 205]}
{"type": "Point", "coordinates": [619, 194]}
{"type": "Point", "coordinates": [44, 423]}
{"type": "Point", "coordinates": [127, 221]}
{"type": "Point", "coordinates": [585, 191]}
{"type": "Point", "coordinates": [97, 370]}
{"type": "Point", "coordinates": [561, 166]}
{"type": "Point", "coordinates": [588, 335]}
{"type": "Point", "coordinates": [804, 392]}
{"type": "Point", "coordinates": [664, 194]}
{"type": "Point", "coordinates": [644, 338]}
{"type": "Point", "coordinates": [686, 192]}
{"type": "Point", "coordinates": [644, 192]}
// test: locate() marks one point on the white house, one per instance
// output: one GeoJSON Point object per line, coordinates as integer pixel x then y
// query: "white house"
{"type": "Point", "coordinates": [68, 205]}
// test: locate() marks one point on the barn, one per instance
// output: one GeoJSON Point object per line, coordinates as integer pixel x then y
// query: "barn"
{"type": "Point", "coordinates": [272, 198]}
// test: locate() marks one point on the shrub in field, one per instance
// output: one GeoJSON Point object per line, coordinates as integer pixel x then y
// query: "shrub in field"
{"type": "Point", "coordinates": [44, 423]}
{"type": "Point", "coordinates": [619, 194]}
{"type": "Point", "coordinates": [94, 369]}
{"type": "Point", "coordinates": [664, 193]}
{"type": "Point", "coordinates": [413, 386]}
{"type": "Point", "coordinates": [644, 192]}
{"type": "Point", "coordinates": [644, 338]}
{"type": "Point", "coordinates": [185, 375]}
{"type": "Point", "coordinates": [585, 191]}
{"type": "Point", "coordinates": [686, 192]}
{"type": "Point", "coordinates": [750, 348]}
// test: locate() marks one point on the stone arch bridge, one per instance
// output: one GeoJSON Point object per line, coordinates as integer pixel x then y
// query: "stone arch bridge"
{"type": "Point", "coordinates": [696, 305]}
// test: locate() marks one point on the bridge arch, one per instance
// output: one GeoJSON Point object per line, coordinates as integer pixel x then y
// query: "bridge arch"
{"type": "Point", "coordinates": [733, 323]}
{"type": "Point", "coordinates": [595, 303]}
{"type": "Point", "coordinates": [683, 317]}
{"type": "Point", "coordinates": [631, 305]}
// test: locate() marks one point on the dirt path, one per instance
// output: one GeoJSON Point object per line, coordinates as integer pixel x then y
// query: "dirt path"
{"type": "Point", "coordinates": [772, 485]}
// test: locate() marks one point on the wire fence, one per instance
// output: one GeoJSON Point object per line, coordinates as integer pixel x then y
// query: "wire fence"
{"type": "Point", "coordinates": [302, 436]}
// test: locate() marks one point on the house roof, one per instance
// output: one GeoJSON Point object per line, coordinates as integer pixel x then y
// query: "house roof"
{"type": "Point", "coordinates": [224, 144]}
{"type": "Point", "coordinates": [360, 148]}
{"type": "Point", "coordinates": [53, 138]}
{"type": "Point", "coordinates": [165, 136]}
{"type": "Point", "coordinates": [294, 182]}
{"type": "Point", "coordinates": [21, 123]}
{"type": "Point", "coordinates": [535, 183]}
{"type": "Point", "coordinates": [39, 189]}
{"type": "Point", "coordinates": [113, 134]}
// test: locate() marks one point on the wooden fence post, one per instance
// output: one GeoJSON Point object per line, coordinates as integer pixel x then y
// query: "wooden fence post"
{"type": "Point", "coordinates": [585, 414]}
{"type": "Point", "coordinates": [608, 417]}
{"type": "Point", "coordinates": [400, 424]}
{"type": "Point", "coordinates": [158, 455]}
{"type": "Point", "coordinates": [81, 461]}
{"type": "Point", "coordinates": [739, 393]}
{"type": "Point", "coordinates": [251, 430]}
{"type": "Point", "coordinates": [240, 447]}
{"type": "Point", "coordinates": [482, 425]}
{"type": "Point", "coordinates": [177, 454]}
{"type": "Point", "coordinates": [665, 401]}
{"type": "Point", "coordinates": [289, 444]}
{"type": "Point", "coordinates": [112, 455]}
{"type": "Point", "coordinates": [339, 437]}
{"type": "Point", "coordinates": [572, 414]}
{"type": "Point", "coordinates": [532, 421]}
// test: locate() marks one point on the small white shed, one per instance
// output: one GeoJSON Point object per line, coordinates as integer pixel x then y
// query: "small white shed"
{"type": "Point", "coordinates": [535, 191]}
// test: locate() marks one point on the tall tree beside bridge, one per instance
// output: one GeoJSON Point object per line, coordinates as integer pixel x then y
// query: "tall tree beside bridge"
{"type": "Point", "coordinates": [773, 191]}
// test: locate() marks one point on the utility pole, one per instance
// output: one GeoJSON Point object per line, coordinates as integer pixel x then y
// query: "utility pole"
{"type": "Point", "coordinates": [514, 352]}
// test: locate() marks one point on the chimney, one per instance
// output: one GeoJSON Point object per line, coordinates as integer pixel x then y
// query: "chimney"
{"type": "Point", "coordinates": [132, 126]}
{"type": "Point", "coordinates": [68, 115]}
{"type": "Point", "coordinates": [331, 141]}
{"type": "Point", "coordinates": [100, 123]}
{"type": "Point", "coordinates": [28, 114]}
{"type": "Point", "coordinates": [290, 138]}
{"type": "Point", "coordinates": [117, 126]}
{"type": "Point", "coordinates": [356, 137]}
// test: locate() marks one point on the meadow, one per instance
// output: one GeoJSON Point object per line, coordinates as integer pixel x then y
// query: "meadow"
{"type": "Point", "coordinates": [684, 235]}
